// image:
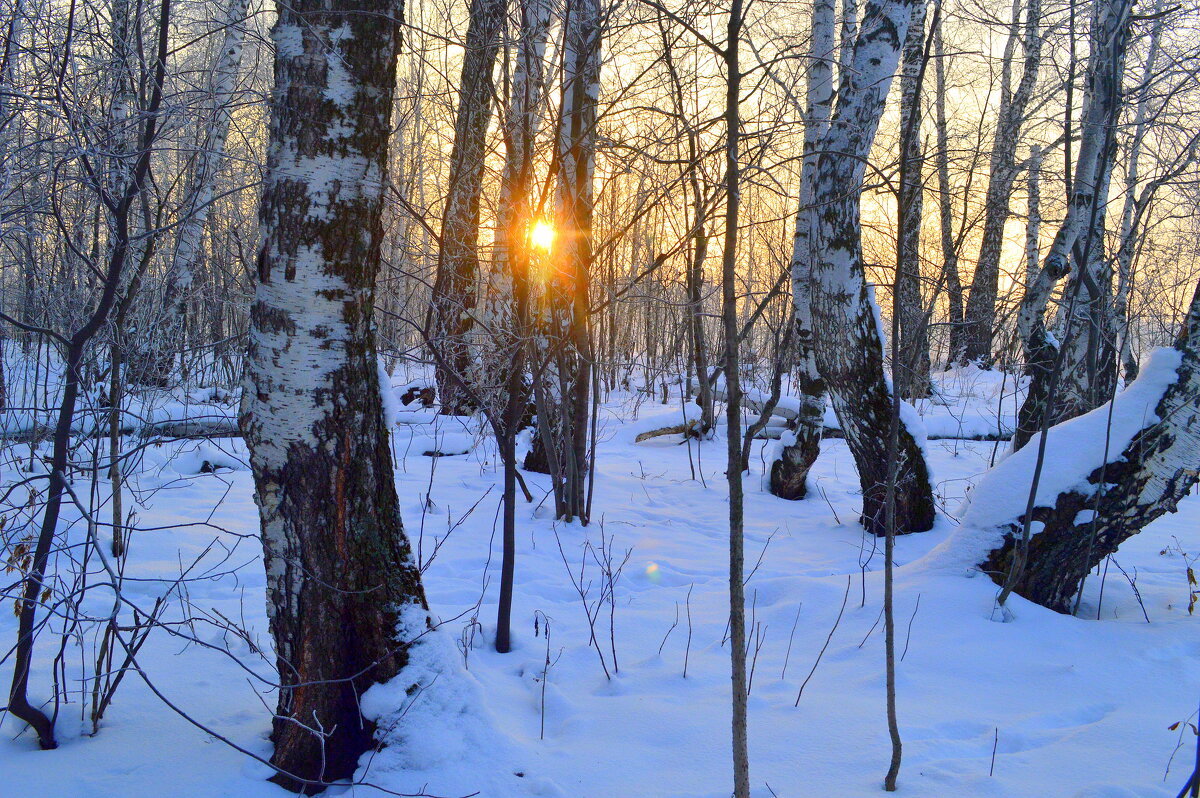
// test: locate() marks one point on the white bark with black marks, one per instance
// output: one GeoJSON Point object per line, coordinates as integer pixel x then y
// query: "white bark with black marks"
{"type": "Point", "coordinates": [344, 596]}
{"type": "Point", "coordinates": [789, 471]}
{"type": "Point", "coordinates": [849, 343]}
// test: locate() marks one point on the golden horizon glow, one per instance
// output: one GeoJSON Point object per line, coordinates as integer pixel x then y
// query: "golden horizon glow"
{"type": "Point", "coordinates": [542, 236]}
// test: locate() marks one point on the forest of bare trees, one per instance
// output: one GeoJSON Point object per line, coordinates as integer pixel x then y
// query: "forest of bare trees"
{"type": "Point", "coordinates": [805, 223]}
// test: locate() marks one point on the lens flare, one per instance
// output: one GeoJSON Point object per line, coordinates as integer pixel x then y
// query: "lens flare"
{"type": "Point", "coordinates": [542, 236]}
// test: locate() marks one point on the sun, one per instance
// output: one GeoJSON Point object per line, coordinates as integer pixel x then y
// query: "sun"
{"type": "Point", "coordinates": [542, 236]}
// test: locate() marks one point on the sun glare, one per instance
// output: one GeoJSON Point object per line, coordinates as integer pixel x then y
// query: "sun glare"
{"type": "Point", "coordinates": [542, 236]}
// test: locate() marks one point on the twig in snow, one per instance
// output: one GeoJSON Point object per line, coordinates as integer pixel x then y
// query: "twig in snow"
{"type": "Point", "coordinates": [836, 622]}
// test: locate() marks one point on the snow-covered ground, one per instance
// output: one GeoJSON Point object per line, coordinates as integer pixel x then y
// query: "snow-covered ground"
{"type": "Point", "coordinates": [1044, 705]}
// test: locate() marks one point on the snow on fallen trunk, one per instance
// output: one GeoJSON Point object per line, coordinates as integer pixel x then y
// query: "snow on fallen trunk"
{"type": "Point", "coordinates": [1105, 476]}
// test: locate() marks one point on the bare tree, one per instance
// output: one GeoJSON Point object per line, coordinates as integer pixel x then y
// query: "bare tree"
{"type": "Point", "coordinates": [789, 472]}
{"type": "Point", "coordinates": [454, 290]}
{"type": "Point", "coordinates": [980, 316]}
{"type": "Point", "coordinates": [343, 588]}
{"type": "Point", "coordinates": [562, 392]}
{"type": "Point", "coordinates": [849, 343]}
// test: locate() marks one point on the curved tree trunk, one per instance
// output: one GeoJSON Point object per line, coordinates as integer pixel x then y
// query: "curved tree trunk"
{"type": "Point", "coordinates": [454, 290]}
{"type": "Point", "coordinates": [1077, 237]}
{"type": "Point", "coordinates": [789, 471]}
{"type": "Point", "coordinates": [344, 594]}
{"type": "Point", "coordinates": [849, 344]}
{"type": "Point", "coordinates": [1141, 481]}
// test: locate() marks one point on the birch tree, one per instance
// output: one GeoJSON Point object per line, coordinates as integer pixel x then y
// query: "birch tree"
{"type": "Point", "coordinates": [563, 390]}
{"type": "Point", "coordinates": [344, 595]}
{"type": "Point", "coordinates": [1146, 468]}
{"type": "Point", "coordinates": [980, 315]}
{"type": "Point", "coordinates": [1076, 237]}
{"type": "Point", "coordinates": [201, 186]}
{"type": "Point", "coordinates": [508, 301]}
{"type": "Point", "coordinates": [849, 345]}
{"type": "Point", "coordinates": [912, 372]}
{"type": "Point", "coordinates": [798, 452]}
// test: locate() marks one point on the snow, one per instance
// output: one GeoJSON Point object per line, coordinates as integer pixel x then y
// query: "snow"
{"type": "Point", "coordinates": [1074, 449]}
{"type": "Point", "coordinates": [1074, 707]}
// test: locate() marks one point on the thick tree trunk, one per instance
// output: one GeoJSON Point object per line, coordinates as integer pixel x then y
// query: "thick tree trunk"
{"type": "Point", "coordinates": [912, 370]}
{"type": "Point", "coordinates": [849, 343]}
{"type": "Point", "coordinates": [980, 316]}
{"type": "Point", "coordinates": [1077, 235]}
{"type": "Point", "coordinates": [454, 290]}
{"type": "Point", "coordinates": [344, 595]}
{"type": "Point", "coordinates": [789, 471]}
{"type": "Point", "coordinates": [1140, 480]}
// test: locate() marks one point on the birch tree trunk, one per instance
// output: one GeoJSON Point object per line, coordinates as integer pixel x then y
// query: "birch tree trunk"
{"type": "Point", "coordinates": [1081, 526]}
{"type": "Point", "coordinates": [798, 452]}
{"type": "Point", "coordinates": [1033, 215]}
{"type": "Point", "coordinates": [454, 290]}
{"type": "Point", "coordinates": [1074, 240]}
{"type": "Point", "coordinates": [849, 343]}
{"type": "Point", "coordinates": [344, 596]}
{"type": "Point", "coordinates": [1133, 206]}
{"type": "Point", "coordinates": [201, 187]}
{"type": "Point", "coordinates": [980, 315]}
{"type": "Point", "coordinates": [912, 372]}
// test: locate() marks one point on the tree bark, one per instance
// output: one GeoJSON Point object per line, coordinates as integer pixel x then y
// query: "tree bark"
{"type": "Point", "coordinates": [789, 471]}
{"type": "Point", "coordinates": [912, 370]}
{"type": "Point", "coordinates": [849, 343]}
{"type": "Point", "coordinates": [344, 595]}
{"type": "Point", "coordinates": [1083, 525]}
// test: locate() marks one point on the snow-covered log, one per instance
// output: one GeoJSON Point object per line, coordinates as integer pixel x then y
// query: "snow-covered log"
{"type": "Point", "coordinates": [1105, 476]}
